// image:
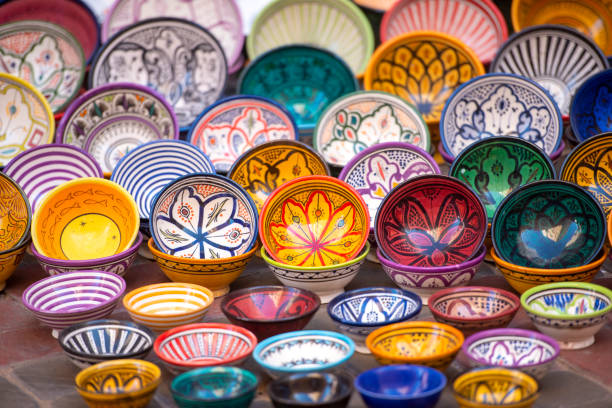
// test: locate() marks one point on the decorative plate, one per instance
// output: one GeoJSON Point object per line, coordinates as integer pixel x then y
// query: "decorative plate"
{"type": "Point", "coordinates": [558, 58]}
{"type": "Point", "coordinates": [26, 119]}
{"type": "Point", "coordinates": [423, 68]}
{"type": "Point", "coordinates": [221, 18]}
{"type": "Point", "coordinates": [496, 166]}
{"type": "Point", "coordinates": [500, 105]}
{"type": "Point", "coordinates": [314, 221]}
{"type": "Point", "coordinates": [362, 119]}
{"type": "Point", "coordinates": [335, 25]}
{"type": "Point", "coordinates": [265, 167]}
{"type": "Point", "coordinates": [377, 170]}
{"type": "Point", "coordinates": [179, 59]}
{"type": "Point", "coordinates": [549, 224]}
{"type": "Point", "coordinates": [477, 23]}
{"type": "Point", "coordinates": [590, 109]}
{"type": "Point", "coordinates": [303, 79]}
{"type": "Point", "coordinates": [230, 127]}
{"type": "Point", "coordinates": [430, 221]}
{"type": "Point", "coordinates": [203, 216]}
{"type": "Point", "coordinates": [15, 214]}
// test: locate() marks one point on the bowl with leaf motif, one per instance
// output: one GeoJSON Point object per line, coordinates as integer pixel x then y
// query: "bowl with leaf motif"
{"type": "Point", "coordinates": [322, 390]}
{"type": "Point", "coordinates": [590, 107]}
{"type": "Point", "coordinates": [495, 387]}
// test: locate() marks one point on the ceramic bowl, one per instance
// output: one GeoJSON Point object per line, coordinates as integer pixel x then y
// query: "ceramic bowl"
{"type": "Point", "coordinates": [119, 383]}
{"type": "Point", "coordinates": [63, 300]}
{"type": "Point", "coordinates": [570, 312]}
{"type": "Point", "coordinates": [16, 215]}
{"type": "Point", "coordinates": [102, 340]}
{"type": "Point", "coordinates": [495, 387]}
{"type": "Point", "coordinates": [164, 306]}
{"type": "Point", "coordinates": [553, 157]}
{"type": "Point", "coordinates": [398, 386]}
{"type": "Point", "coordinates": [9, 261]}
{"type": "Point", "coordinates": [304, 351]}
{"type": "Point", "coordinates": [357, 313]}
{"type": "Point", "coordinates": [322, 390]}
{"type": "Point", "coordinates": [549, 224]}
{"type": "Point", "coordinates": [227, 387]}
{"type": "Point", "coordinates": [204, 345]}
{"type": "Point", "coordinates": [589, 108]}
{"type": "Point", "coordinates": [304, 79]}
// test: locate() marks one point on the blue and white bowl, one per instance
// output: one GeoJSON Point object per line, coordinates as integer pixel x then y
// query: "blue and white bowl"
{"type": "Point", "coordinates": [359, 312]}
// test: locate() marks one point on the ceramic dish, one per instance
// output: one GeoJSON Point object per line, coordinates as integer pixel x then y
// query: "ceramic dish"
{"type": "Point", "coordinates": [495, 387]}
{"type": "Point", "coordinates": [230, 127]}
{"type": "Point", "coordinates": [10, 260]}
{"type": "Point", "coordinates": [321, 390]}
{"type": "Point", "coordinates": [589, 108]}
{"type": "Point", "coordinates": [554, 157]}
{"type": "Point", "coordinates": [15, 216]}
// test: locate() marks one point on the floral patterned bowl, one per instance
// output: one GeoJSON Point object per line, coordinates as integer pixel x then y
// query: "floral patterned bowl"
{"type": "Point", "coordinates": [590, 109]}
{"type": "Point", "coordinates": [15, 215]}
{"type": "Point", "coordinates": [495, 387]}
{"type": "Point", "coordinates": [10, 260]}
{"type": "Point", "coordinates": [321, 390]}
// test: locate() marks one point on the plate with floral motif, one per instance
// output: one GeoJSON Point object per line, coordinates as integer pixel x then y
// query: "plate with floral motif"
{"type": "Point", "coordinates": [15, 214]}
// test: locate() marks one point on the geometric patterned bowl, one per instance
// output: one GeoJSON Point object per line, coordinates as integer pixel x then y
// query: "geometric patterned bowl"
{"type": "Point", "coordinates": [495, 387]}
{"type": "Point", "coordinates": [322, 390]}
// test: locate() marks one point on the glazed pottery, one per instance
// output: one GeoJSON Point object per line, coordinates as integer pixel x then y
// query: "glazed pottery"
{"type": "Point", "coordinates": [190, 72]}
{"type": "Point", "coordinates": [590, 108]}
{"type": "Point", "coordinates": [322, 390]}
{"type": "Point", "coordinates": [359, 312]}
{"type": "Point", "coordinates": [303, 79]}
{"type": "Point", "coordinates": [427, 343]}
{"type": "Point", "coordinates": [214, 387]}
{"type": "Point", "coordinates": [263, 168]}
{"type": "Point", "coordinates": [102, 340]}
{"type": "Point", "coordinates": [496, 166]}
{"type": "Point", "coordinates": [570, 312]}
{"type": "Point", "coordinates": [9, 261]}
{"type": "Point", "coordinates": [304, 351]}
{"type": "Point", "coordinates": [314, 221]}
{"type": "Point", "coordinates": [119, 383]}
{"type": "Point", "coordinates": [495, 387]}
{"type": "Point", "coordinates": [553, 157]}
{"type": "Point", "coordinates": [232, 126]}
{"type": "Point", "coordinates": [549, 224]}
{"type": "Point", "coordinates": [204, 345]}
{"type": "Point", "coordinates": [15, 214]}
{"type": "Point", "coordinates": [399, 386]}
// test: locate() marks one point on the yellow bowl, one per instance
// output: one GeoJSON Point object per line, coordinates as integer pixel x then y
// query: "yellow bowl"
{"type": "Point", "coordinates": [495, 387]}
{"type": "Point", "coordinates": [118, 383]}
{"type": "Point", "coordinates": [15, 214]}
{"type": "Point", "coordinates": [85, 218]}
{"type": "Point", "coordinates": [9, 260]}
{"type": "Point", "coordinates": [426, 343]}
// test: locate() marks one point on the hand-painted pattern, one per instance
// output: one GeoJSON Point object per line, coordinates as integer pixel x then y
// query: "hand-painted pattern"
{"type": "Point", "coordinates": [511, 351]}
{"type": "Point", "coordinates": [574, 303]}
{"type": "Point", "coordinates": [14, 214]}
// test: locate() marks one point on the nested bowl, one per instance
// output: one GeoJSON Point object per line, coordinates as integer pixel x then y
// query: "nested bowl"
{"type": "Point", "coordinates": [16, 215]}
{"type": "Point", "coordinates": [10, 260]}
{"type": "Point", "coordinates": [322, 390]}
{"type": "Point", "coordinates": [495, 387]}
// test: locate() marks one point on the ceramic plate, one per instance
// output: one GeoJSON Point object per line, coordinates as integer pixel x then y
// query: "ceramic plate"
{"type": "Point", "coordinates": [203, 216]}
{"type": "Point", "coordinates": [264, 168]}
{"type": "Point", "coordinates": [363, 119]}
{"type": "Point", "coordinates": [15, 216]}
{"type": "Point", "coordinates": [500, 105]}
{"type": "Point", "coordinates": [234, 125]}
{"type": "Point", "coordinates": [180, 60]}
{"type": "Point", "coordinates": [590, 107]}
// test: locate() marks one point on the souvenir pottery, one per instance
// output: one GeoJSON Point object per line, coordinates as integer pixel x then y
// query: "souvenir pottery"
{"type": "Point", "coordinates": [261, 169]}
{"type": "Point", "coordinates": [305, 80]}
{"type": "Point", "coordinates": [190, 72]}
{"type": "Point", "coordinates": [570, 312]}
{"type": "Point", "coordinates": [477, 23]}
{"type": "Point", "coordinates": [322, 390]}
{"type": "Point", "coordinates": [590, 108]}
{"type": "Point", "coordinates": [10, 260]}
{"type": "Point", "coordinates": [495, 387]}
{"type": "Point", "coordinates": [203, 216]}
{"type": "Point", "coordinates": [558, 58]}
{"type": "Point", "coordinates": [496, 166]}
{"type": "Point", "coordinates": [314, 221]}
{"type": "Point", "coordinates": [549, 224]}
{"type": "Point", "coordinates": [232, 126]}
{"type": "Point", "coordinates": [338, 26]}
{"type": "Point", "coordinates": [500, 105]}
{"type": "Point", "coordinates": [364, 119]}
{"type": "Point", "coordinates": [15, 215]}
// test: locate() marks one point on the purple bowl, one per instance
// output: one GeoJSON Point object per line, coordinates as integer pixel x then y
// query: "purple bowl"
{"type": "Point", "coordinates": [450, 159]}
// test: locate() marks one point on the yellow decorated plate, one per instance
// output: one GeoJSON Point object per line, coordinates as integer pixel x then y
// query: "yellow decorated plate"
{"type": "Point", "coordinates": [15, 214]}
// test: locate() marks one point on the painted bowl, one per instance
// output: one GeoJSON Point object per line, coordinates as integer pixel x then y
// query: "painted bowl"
{"type": "Point", "coordinates": [329, 222]}
{"type": "Point", "coordinates": [322, 390]}
{"type": "Point", "coordinates": [15, 216]}
{"type": "Point", "coordinates": [63, 300]}
{"type": "Point", "coordinates": [227, 387]}
{"type": "Point", "coordinates": [203, 216]}
{"type": "Point", "coordinates": [204, 345]}
{"type": "Point", "coordinates": [496, 166]}
{"type": "Point", "coordinates": [304, 351]}
{"type": "Point", "coordinates": [103, 340]}
{"type": "Point", "coordinates": [118, 383]}
{"type": "Point", "coordinates": [495, 387]}
{"type": "Point", "coordinates": [359, 312]}
{"type": "Point", "coordinates": [85, 218]}
{"type": "Point", "coordinates": [590, 107]}
{"type": "Point", "coordinates": [553, 157]}
{"type": "Point", "coordinates": [399, 386]}
{"type": "Point", "coordinates": [9, 261]}
{"type": "Point", "coordinates": [570, 312]}
{"type": "Point", "coordinates": [304, 79]}
{"type": "Point", "coordinates": [549, 224]}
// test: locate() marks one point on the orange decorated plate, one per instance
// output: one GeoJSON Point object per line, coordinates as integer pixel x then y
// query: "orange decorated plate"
{"type": "Point", "coordinates": [15, 214]}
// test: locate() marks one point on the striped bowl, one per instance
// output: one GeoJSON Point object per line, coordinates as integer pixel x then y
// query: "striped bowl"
{"type": "Point", "coordinates": [164, 306]}
{"type": "Point", "coordinates": [63, 300]}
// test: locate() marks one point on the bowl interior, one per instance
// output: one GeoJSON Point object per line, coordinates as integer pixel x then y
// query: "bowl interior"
{"type": "Point", "coordinates": [474, 304]}
{"type": "Point", "coordinates": [495, 387]}
{"type": "Point", "coordinates": [415, 342]}
{"type": "Point", "coordinates": [311, 388]}
{"type": "Point", "coordinates": [118, 378]}
{"type": "Point", "coordinates": [511, 350]}
{"type": "Point", "coordinates": [215, 383]}
{"type": "Point", "coordinates": [168, 299]}
{"type": "Point", "coordinates": [106, 338]}
{"type": "Point", "coordinates": [568, 302]}
{"type": "Point", "coordinates": [373, 307]}
{"type": "Point", "coordinates": [300, 350]}
{"type": "Point", "coordinates": [270, 304]}
{"type": "Point", "coordinates": [401, 381]}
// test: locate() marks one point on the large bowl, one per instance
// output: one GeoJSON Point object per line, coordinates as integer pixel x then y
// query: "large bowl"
{"type": "Point", "coordinates": [15, 216]}
{"type": "Point", "coordinates": [495, 388]}
{"type": "Point", "coordinates": [9, 260]}
{"type": "Point", "coordinates": [589, 108]}
{"type": "Point", "coordinates": [321, 390]}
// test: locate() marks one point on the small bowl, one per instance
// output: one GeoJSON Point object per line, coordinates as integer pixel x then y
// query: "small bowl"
{"type": "Point", "coordinates": [103, 340]}
{"type": "Point", "coordinates": [164, 306]}
{"type": "Point", "coordinates": [16, 215]}
{"type": "Point", "coordinates": [304, 351]}
{"type": "Point", "coordinates": [524, 350]}
{"type": "Point", "coordinates": [270, 310]}
{"type": "Point", "coordinates": [321, 390]}
{"type": "Point", "coordinates": [9, 261]}
{"type": "Point", "coordinates": [359, 312]}
{"type": "Point", "coordinates": [589, 108]}
{"type": "Point", "coordinates": [427, 343]}
{"type": "Point", "coordinates": [570, 312]}
{"type": "Point", "coordinates": [495, 388]}
{"type": "Point", "coordinates": [399, 386]}
{"type": "Point", "coordinates": [118, 383]}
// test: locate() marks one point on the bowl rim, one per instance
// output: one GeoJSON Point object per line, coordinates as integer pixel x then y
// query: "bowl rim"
{"type": "Point", "coordinates": [205, 371]}
{"type": "Point", "coordinates": [169, 285]}
{"type": "Point", "coordinates": [27, 231]}
{"type": "Point", "coordinates": [402, 367]}
{"type": "Point", "coordinates": [485, 290]}
{"type": "Point", "coordinates": [84, 374]}
{"type": "Point", "coordinates": [516, 376]}
{"type": "Point", "coordinates": [550, 272]}
{"type": "Point", "coordinates": [473, 261]}
{"type": "Point", "coordinates": [343, 376]}
{"type": "Point", "coordinates": [191, 261]}
{"type": "Point", "coordinates": [360, 257]}
{"type": "Point", "coordinates": [14, 250]}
